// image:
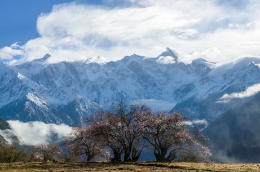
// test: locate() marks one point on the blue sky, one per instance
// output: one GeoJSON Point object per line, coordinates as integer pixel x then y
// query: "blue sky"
{"type": "Point", "coordinates": [18, 18]}
{"type": "Point", "coordinates": [105, 30]}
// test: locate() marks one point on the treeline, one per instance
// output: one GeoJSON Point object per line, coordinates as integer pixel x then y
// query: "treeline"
{"type": "Point", "coordinates": [122, 134]}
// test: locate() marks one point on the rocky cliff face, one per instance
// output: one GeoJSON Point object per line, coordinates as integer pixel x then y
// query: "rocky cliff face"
{"type": "Point", "coordinates": [7, 136]}
{"type": "Point", "coordinates": [3, 125]}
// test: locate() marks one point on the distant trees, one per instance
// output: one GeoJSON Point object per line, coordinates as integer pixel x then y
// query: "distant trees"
{"type": "Point", "coordinates": [49, 152]}
{"type": "Point", "coordinates": [128, 130]}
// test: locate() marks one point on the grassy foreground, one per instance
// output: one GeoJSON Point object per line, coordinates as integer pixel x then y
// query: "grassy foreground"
{"type": "Point", "coordinates": [141, 166]}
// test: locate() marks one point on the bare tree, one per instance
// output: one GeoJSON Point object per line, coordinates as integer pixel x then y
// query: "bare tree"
{"type": "Point", "coordinates": [197, 151]}
{"type": "Point", "coordinates": [168, 135]}
{"type": "Point", "coordinates": [81, 142]}
{"type": "Point", "coordinates": [120, 130]}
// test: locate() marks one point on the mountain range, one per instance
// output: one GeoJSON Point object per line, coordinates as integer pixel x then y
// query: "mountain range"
{"type": "Point", "coordinates": [65, 92]}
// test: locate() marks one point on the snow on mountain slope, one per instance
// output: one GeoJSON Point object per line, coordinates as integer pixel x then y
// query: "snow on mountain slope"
{"type": "Point", "coordinates": [67, 91]}
{"type": "Point", "coordinates": [205, 104]}
{"type": "Point", "coordinates": [11, 87]}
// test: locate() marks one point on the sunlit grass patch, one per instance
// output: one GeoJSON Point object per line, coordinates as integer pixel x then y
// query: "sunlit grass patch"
{"type": "Point", "coordinates": [140, 166]}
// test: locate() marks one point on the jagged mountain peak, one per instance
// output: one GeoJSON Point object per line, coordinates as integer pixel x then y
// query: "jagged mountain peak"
{"type": "Point", "coordinates": [167, 57]}
{"type": "Point", "coordinates": [169, 52]}
{"type": "Point", "coordinates": [43, 59]}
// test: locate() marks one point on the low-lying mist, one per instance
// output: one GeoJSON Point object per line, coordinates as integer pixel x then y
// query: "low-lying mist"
{"type": "Point", "coordinates": [33, 133]}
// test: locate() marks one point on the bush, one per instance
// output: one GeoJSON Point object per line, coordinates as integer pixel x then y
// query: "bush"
{"type": "Point", "coordinates": [49, 152]}
{"type": "Point", "coordinates": [11, 153]}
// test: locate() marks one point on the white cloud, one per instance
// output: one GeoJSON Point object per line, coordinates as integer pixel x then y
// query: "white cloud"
{"type": "Point", "coordinates": [77, 32]}
{"type": "Point", "coordinates": [255, 44]}
{"type": "Point", "coordinates": [197, 122]}
{"type": "Point", "coordinates": [7, 53]}
{"type": "Point", "coordinates": [166, 60]}
{"type": "Point", "coordinates": [250, 91]}
{"type": "Point", "coordinates": [33, 133]}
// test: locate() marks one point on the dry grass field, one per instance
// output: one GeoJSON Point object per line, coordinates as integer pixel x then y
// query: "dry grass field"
{"type": "Point", "coordinates": [141, 166]}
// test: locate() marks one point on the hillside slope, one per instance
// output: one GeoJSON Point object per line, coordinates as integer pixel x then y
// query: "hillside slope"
{"type": "Point", "coordinates": [234, 136]}
{"type": "Point", "coordinates": [7, 136]}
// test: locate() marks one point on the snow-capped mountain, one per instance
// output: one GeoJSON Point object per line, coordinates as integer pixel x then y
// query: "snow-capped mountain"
{"type": "Point", "coordinates": [67, 91]}
{"type": "Point", "coordinates": [241, 75]}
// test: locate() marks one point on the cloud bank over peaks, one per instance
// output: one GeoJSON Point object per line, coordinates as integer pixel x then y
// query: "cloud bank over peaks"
{"type": "Point", "coordinates": [214, 30]}
{"type": "Point", "coordinates": [33, 133]}
{"type": "Point", "coordinates": [250, 91]}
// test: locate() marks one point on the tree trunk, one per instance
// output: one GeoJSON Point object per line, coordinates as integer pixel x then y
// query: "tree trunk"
{"type": "Point", "coordinates": [117, 156]}
{"type": "Point", "coordinates": [160, 155]}
{"type": "Point", "coordinates": [127, 155]}
{"type": "Point", "coordinates": [89, 157]}
{"type": "Point", "coordinates": [136, 154]}
{"type": "Point", "coordinates": [160, 158]}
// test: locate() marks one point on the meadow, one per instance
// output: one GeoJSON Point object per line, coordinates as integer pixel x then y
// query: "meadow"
{"type": "Point", "coordinates": [140, 166]}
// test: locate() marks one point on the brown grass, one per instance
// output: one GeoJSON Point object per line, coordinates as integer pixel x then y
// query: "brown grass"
{"type": "Point", "coordinates": [141, 166]}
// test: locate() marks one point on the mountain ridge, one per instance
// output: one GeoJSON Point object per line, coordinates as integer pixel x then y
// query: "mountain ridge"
{"type": "Point", "coordinates": [67, 91]}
